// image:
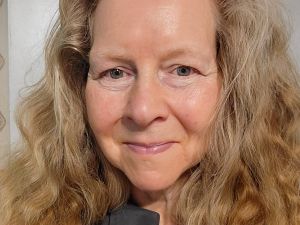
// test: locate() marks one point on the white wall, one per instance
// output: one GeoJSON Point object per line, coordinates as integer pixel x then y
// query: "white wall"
{"type": "Point", "coordinates": [28, 23]}
{"type": "Point", "coordinates": [293, 7]}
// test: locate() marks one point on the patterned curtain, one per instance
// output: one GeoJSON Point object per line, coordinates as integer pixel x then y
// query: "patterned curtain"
{"type": "Point", "coordinates": [4, 84]}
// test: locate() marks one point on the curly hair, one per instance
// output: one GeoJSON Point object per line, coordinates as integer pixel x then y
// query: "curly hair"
{"type": "Point", "coordinates": [250, 174]}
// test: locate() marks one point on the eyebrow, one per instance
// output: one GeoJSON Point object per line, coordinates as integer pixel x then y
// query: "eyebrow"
{"type": "Point", "coordinates": [121, 56]}
{"type": "Point", "coordinates": [174, 53]}
{"type": "Point", "coordinates": [111, 56]}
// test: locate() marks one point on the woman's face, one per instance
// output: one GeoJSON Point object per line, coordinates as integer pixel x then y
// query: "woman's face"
{"type": "Point", "coordinates": [153, 86]}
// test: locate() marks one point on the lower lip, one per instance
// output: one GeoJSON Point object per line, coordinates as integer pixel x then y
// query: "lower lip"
{"type": "Point", "coordinates": [150, 150]}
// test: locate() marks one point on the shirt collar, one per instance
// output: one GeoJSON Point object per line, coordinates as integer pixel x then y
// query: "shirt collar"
{"type": "Point", "coordinates": [131, 215]}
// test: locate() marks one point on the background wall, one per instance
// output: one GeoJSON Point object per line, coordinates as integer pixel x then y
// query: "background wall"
{"type": "Point", "coordinates": [293, 7]}
{"type": "Point", "coordinates": [28, 22]}
{"type": "Point", "coordinates": [4, 88]}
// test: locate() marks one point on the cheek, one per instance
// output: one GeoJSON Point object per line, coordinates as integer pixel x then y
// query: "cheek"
{"type": "Point", "coordinates": [196, 107]}
{"type": "Point", "coordinates": [103, 110]}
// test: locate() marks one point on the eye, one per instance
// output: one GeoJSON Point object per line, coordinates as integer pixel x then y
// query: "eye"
{"type": "Point", "coordinates": [183, 70]}
{"type": "Point", "coordinates": [115, 73]}
{"type": "Point", "coordinates": [115, 78]}
{"type": "Point", "coordinates": [179, 76]}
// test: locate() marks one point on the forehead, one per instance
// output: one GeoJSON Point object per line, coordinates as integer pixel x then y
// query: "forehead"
{"type": "Point", "coordinates": [128, 23]}
{"type": "Point", "coordinates": [131, 13]}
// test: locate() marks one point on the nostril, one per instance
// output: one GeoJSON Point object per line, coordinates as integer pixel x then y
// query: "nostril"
{"type": "Point", "coordinates": [131, 125]}
{"type": "Point", "coordinates": [140, 124]}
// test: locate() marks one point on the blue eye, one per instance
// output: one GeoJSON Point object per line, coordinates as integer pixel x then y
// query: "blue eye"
{"type": "Point", "coordinates": [115, 79]}
{"type": "Point", "coordinates": [183, 70]}
{"type": "Point", "coordinates": [116, 73]}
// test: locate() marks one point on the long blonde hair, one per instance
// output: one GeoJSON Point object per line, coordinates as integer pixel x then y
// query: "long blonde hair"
{"type": "Point", "coordinates": [249, 176]}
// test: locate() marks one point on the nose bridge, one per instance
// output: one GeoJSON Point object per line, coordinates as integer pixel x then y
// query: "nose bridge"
{"type": "Point", "coordinates": [146, 101]}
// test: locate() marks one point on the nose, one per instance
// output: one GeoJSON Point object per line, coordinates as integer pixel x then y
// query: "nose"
{"type": "Point", "coordinates": [146, 104]}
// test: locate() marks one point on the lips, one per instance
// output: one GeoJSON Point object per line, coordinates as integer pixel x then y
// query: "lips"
{"type": "Point", "coordinates": [154, 148]}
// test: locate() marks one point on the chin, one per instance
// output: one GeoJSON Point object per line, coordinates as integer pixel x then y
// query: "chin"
{"type": "Point", "coordinates": [153, 183]}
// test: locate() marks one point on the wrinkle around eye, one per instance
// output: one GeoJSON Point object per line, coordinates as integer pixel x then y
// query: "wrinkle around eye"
{"type": "Point", "coordinates": [106, 80]}
{"type": "Point", "coordinates": [106, 73]}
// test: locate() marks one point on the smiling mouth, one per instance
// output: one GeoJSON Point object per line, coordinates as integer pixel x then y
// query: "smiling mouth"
{"type": "Point", "coordinates": [149, 148]}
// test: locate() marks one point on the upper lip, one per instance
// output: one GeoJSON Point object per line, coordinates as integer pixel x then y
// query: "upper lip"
{"type": "Point", "coordinates": [150, 144]}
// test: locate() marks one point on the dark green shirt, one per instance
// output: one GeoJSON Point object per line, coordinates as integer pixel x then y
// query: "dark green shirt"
{"type": "Point", "coordinates": [131, 215]}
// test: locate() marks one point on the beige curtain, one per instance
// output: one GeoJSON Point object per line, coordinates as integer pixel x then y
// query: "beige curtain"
{"type": "Point", "coordinates": [4, 84]}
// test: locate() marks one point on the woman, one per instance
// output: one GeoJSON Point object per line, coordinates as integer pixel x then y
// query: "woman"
{"type": "Point", "coordinates": [160, 112]}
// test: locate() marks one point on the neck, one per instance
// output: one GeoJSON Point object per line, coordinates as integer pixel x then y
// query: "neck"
{"type": "Point", "coordinates": [160, 201]}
